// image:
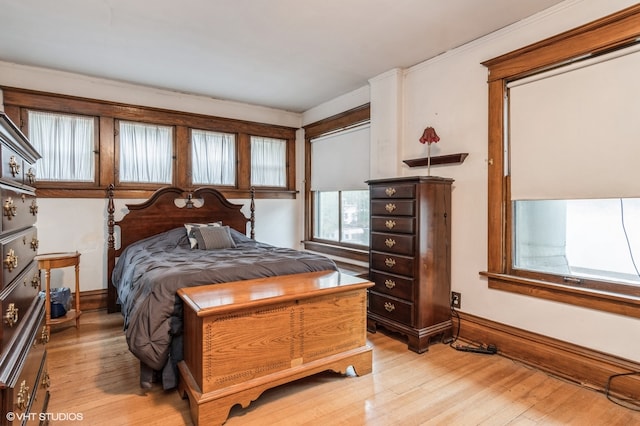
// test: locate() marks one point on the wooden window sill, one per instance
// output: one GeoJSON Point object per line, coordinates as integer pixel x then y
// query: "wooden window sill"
{"type": "Point", "coordinates": [339, 251]}
{"type": "Point", "coordinates": [587, 298]}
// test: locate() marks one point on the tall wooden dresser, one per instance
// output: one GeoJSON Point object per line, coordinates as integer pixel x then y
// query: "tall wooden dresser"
{"type": "Point", "coordinates": [24, 381]}
{"type": "Point", "coordinates": [410, 258]}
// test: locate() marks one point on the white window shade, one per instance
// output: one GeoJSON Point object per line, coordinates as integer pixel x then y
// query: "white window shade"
{"type": "Point", "coordinates": [574, 133]}
{"type": "Point", "coordinates": [340, 161]}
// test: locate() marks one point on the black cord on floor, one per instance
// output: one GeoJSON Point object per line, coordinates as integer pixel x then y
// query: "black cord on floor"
{"type": "Point", "coordinates": [453, 339]}
{"type": "Point", "coordinates": [631, 404]}
{"type": "Point", "coordinates": [489, 350]}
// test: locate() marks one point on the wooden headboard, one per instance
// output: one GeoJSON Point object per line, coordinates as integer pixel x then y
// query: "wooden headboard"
{"type": "Point", "coordinates": [168, 208]}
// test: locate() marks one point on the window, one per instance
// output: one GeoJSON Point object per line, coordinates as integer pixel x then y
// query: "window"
{"type": "Point", "coordinates": [213, 158]}
{"type": "Point", "coordinates": [146, 153]}
{"type": "Point", "coordinates": [337, 211]}
{"type": "Point", "coordinates": [339, 171]}
{"type": "Point", "coordinates": [342, 216]}
{"type": "Point", "coordinates": [66, 144]}
{"type": "Point", "coordinates": [139, 149]}
{"type": "Point", "coordinates": [562, 145]}
{"type": "Point", "coordinates": [563, 224]}
{"type": "Point", "coordinates": [579, 240]}
{"type": "Point", "coordinates": [268, 162]}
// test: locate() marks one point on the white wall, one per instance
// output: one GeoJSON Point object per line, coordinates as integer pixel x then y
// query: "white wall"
{"type": "Point", "coordinates": [450, 93]}
{"type": "Point", "coordinates": [80, 224]}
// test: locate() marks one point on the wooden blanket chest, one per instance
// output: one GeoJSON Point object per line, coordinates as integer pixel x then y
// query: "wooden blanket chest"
{"type": "Point", "coordinates": [245, 337]}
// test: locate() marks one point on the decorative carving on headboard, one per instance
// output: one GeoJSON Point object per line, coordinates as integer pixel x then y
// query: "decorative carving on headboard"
{"type": "Point", "coordinates": [189, 204]}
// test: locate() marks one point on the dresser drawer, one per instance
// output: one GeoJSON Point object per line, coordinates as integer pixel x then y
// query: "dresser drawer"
{"type": "Point", "coordinates": [393, 243]}
{"type": "Point", "coordinates": [393, 207]}
{"type": "Point", "coordinates": [405, 225]}
{"type": "Point", "coordinates": [15, 301]}
{"type": "Point", "coordinates": [393, 285]}
{"type": "Point", "coordinates": [395, 264]}
{"type": "Point", "coordinates": [12, 165]}
{"type": "Point", "coordinates": [390, 307]}
{"type": "Point", "coordinates": [19, 209]}
{"type": "Point", "coordinates": [393, 191]}
{"type": "Point", "coordinates": [25, 380]}
{"type": "Point", "coordinates": [40, 396]}
{"type": "Point", "coordinates": [17, 251]}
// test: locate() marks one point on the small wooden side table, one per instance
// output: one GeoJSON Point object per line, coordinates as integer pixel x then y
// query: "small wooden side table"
{"type": "Point", "coordinates": [50, 261]}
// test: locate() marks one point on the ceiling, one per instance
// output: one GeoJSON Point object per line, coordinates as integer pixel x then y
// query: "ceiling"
{"type": "Point", "coordinates": [285, 54]}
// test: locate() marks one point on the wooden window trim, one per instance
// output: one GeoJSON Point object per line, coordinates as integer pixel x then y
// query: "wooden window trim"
{"type": "Point", "coordinates": [611, 32]}
{"type": "Point", "coordinates": [348, 118]}
{"type": "Point", "coordinates": [17, 101]}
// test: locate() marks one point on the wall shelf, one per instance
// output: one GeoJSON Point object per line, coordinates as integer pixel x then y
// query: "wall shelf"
{"type": "Point", "coordinates": [438, 159]}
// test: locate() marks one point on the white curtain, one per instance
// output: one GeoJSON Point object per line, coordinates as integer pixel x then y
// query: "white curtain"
{"type": "Point", "coordinates": [66, 144]}
{"type": "Point", "coordinates": [213, 158]}
{"type": "Point", "coordinates": [268, 161]}
{"type": "Point", "coordinates": [145, 153]}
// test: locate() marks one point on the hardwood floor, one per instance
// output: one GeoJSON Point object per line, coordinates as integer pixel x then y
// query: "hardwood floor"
{"type": "Point", "coordinates": [94, 376]}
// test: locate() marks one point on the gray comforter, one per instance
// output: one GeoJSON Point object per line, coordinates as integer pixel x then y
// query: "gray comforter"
{"type": "Point", "coordinates": [148, 274]}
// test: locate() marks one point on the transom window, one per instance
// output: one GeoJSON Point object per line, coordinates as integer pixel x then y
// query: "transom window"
{"type": "Point", "coordinates": [213, 158]}
{"type": "Point", "coordinates": [146, 152]}
{"type": "Point", "coordinates": [268, 162]}
{"type": "Point", "coordinates": [66, 144]}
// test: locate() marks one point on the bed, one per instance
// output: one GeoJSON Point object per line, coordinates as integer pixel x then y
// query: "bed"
{"type": "Point", "coordinates": [156, 257]}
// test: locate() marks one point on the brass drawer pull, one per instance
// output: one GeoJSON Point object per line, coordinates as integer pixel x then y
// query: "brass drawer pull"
{"type": "Point", "coordinates": [390, 191]}
{"type": "Point", "coordinates": [9, 209]}
{"type": "Point", "coordinates": [389, 284]}
{"type": "Point", "coordinates": [14, 166]}
{"type": "Point", "coordinates": [33, 209]}
{"type": "Point", "coordinates": [44, 336]}
{"type": "Point", "coordinates": [31, 176]}
{"type": "Point", "coordinates": [390, 224]}
{"type": "Point", "coordinates": [390, 207]}
{"type": "Point", "coordinates": [35, 281]}
{"type": "Point", "coordinates": [11, 316]}
{"type": "Point", "coordinates": [390, 262]}
{"type": "Point", "coordinates": [46, 380]}
{"type": "Point", "coordinates": [390, 242]}
{"type": "Point", "coordinates": [11, 261]}
{"type": "Point", "coordinates": [35, 244]}
{"type": "Point", "coordinates": [23, 398]}
{"type": "Point", "coordinates": [389, 307]}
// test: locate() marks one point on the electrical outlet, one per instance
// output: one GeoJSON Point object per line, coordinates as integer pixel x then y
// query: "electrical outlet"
{"type": "Point", "coordinates": [456, 299]}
